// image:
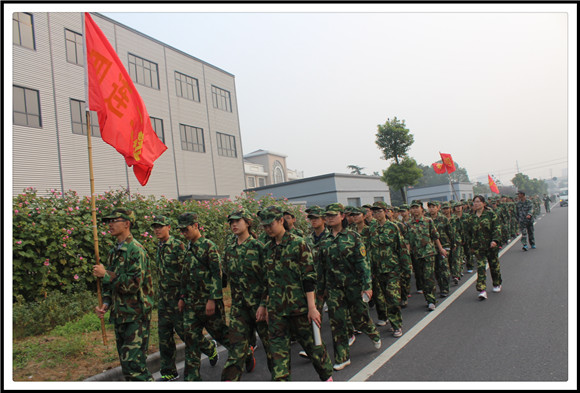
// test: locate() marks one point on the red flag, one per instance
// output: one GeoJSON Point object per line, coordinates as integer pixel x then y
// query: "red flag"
{"type": "Point", "coordinates": [123, 118]}
{"type": "Point", "coordinates": [448, 162]}
{"type": "Point", "coordinates": [492, 185]}
{"type": "Point", "coordinates": [439, 168]}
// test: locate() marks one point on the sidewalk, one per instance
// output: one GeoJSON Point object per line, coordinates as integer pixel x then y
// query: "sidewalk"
{"type": "Point", "coordinates": [153, 364]}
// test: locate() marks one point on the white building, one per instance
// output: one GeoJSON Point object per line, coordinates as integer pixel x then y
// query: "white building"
{"type": "Point", "coordinates": [192, 105]}
{"type": "Point", "coordinates": [442, 193]}
{"type": "Point", "coordinates": [263, 167]}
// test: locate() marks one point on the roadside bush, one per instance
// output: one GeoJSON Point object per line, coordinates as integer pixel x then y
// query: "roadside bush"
{"type": "Point", "coordinates": [53, 246]}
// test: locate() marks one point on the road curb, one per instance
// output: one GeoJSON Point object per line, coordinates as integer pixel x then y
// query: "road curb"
{"type": "Point", "coordinates": [153, 364]}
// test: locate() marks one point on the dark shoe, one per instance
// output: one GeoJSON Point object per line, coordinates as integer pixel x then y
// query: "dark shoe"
{"type": "Point", "coordinates": [534, 246]}
{"type": "Point", "coordinates": [250, 361]}
{"type": "Point", "coordinates": [525, 248]}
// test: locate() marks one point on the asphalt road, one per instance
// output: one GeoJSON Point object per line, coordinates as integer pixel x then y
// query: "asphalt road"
{"type": "Point", "coordinates": [518, 335]}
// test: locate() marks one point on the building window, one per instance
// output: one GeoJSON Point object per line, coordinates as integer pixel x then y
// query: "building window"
{"type": "Point", "coordinates": [462, 196]}
{"type": "Point", "coordinates": [278, 172]}
{"type": "Point", "coordinates": [74, 47]}
{"type": "Point", "coordinates": [353, 202]}
{"type": "Point", "coordinates": [226, 145]}
{"type": "Point", "coordinates": [26, 104]}
{"type": "Point", "coordinates": [186, 86]}
{"type": "Point", "coordinates": [157, 125]}
{"type": "Point", "coordinates": [192, 138]}
{"type": "Point", "coordinates": [221, 99]}
{"type": "Point", "coordinates": [79, 119]}
{"type": "Point", "coordinates": [23, 30]}
{"type": "Point", "coordinates": [143, 71]}
{"type": "Point", "coordinates": [261, 182]}
{"type": "Point", "coordinates": [379, 199]}
{"type": "Point", "coordinates": [251, 181]}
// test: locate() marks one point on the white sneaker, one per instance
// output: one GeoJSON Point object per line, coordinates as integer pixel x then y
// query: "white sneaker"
{"type": "Point", "coordinates": [431, 307]}
{"type": "Point", "coordinates": [338, 367]}
{"type": "Point", "coordinates": [398, 333]}
{"type": "Point", "coordinates": [351, 340]}
{"type": "Point", "coordinates": [497, 289]}
{"type": "Point", "coordinates": [378, 344]}
{"type": "Point", "coordinates": [380, 322]}
{"type": "Point", "coordinates": [482, 295]}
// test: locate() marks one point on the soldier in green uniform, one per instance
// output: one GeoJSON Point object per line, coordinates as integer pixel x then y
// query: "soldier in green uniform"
{"type": "Point", "coordinates": [313, 239]}
{"type": "Point", "coordinates": [128, 292]}
{"type": "Point", "coordinates": [445, 237]}
{"type": "Point", "coordinates": [379, 297]}
{"type": "Point", "coordinates": [291, 306]}
{"type": "Point", "coordinates": [347, 276]}
{"type": "Point", "coordinates": [525, 215]}
{"type": "Point", "coordinates": [485, 234]}
{"type": "Point", "coordinates": [201, 298]}
{"type": "Point", "coordinates": [169, 263]}
{"type": "Point", "coordinates": [461, 227]}
{"type": "Point", "coordinates": [243, 269]}
{"type": "Point", "coordinates": [547, 201]}
{"type": "Point", "coordinates": [455, 231]}
{"type": "Point", "coordinates": [403, 223]}
{"type": "Point", "coordinates": [388, 252]}
{"type": "Point", "coordinates": [291, 220]}
{"type": "Point", "coordinates": [424, 240]}
{"type": "Point", "coordinates": [467, 212]}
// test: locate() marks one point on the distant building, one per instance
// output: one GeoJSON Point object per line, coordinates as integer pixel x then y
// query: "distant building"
{"type": "Point", "coordinates": [263, 167]}
{"type": "Point", "coordinates": [441, 193]}
{"type": "Point", "coordinates": [192, 106]}
{"type": "Point", "coordinates": [350, 190]}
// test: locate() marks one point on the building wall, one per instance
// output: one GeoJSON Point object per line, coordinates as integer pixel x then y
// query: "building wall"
{"type": "Point", "coordinates": [326, 189]}
{"type": "Point", "coordinates": [36, 158]}
{"type": "Point", "coordinates": [441, 192]}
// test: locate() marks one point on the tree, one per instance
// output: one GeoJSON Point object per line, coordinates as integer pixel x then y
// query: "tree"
{"type": "Point", "coordinates": [394, 140]}
{"type": "Point", "coordinates": [397, 176]}
{"type": "Point", "coordinates": [530, 186]}
{"type": "Point", "coordinates": [355, 170]}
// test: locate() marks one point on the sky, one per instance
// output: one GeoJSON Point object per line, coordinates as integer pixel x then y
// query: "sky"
{"type": "Point", "coordinates": [489, 85]}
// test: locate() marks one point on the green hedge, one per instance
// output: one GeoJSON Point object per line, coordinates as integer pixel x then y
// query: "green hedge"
{"type": "Point", "coordinates": [53, 247]}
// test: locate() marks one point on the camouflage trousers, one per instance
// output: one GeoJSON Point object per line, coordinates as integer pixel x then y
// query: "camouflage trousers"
{"type": "Point", "coordinates": [416, 269]}
{"type": "Point", "coordinates": [132, 343]}
{"type": "Point", "coordinates": [242, 334]}
{"type": "Point", "coordinates": [405, 281]}
{"type": "Point", "coordinates": [456, 262]}
{"type": "Point", "coordinates": [527, 230]}
{"type": "Point", "coordinates": [171, 322]}
{"type": "Point", "coordinates": [426, 270]}
{"type": "Point", "coordinates": [442, 272]}
{"type": "Point", "coordinates": [483, 257]}
{"type": "Point", "coordinates": [342, 302]}
{"type": "Point", "coordinates": [391, 287]}
{"type": "Point", "coordinates": [194, 321]}
{"type": "Point", "coordinates": [280, 329]}
{"type": "Point", "coordinates": [379, 299]}
{"type": "Point", "coordinates": [468, 257]}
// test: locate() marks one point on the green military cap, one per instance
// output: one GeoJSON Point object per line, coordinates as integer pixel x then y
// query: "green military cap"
{"type": "Point", "coordinates": [160, 220]}
{"type": "Point", "coordinates": [334, 208]}
{"type": "Point", "coordinates": [404, 207]}
{"type": "Point", "coordinates": [445, 205]}
{"type": "Point", "coordinates": [379, 205]}
{"type": "Point", "coordinates": [315, 211]}
{"type": "Point", "coordinates": [359, 210]}
{"type": "Point", "coordinates": [186, 219]}
{"type": "Point", "coordinates": [416, 202]}
{"type": "Point", "coordinates": [121, 213]}
{"type": "Point", "coordinates": [349, 209]}
{"type": "Point", "coordinates": [270, 214]}
{"type": "Point", "coordinates": [237, 215]}
{"type": "Point", "coordinates": [367, 206]}
{"type": "Point", "coordinates": [434, 203]}
{"type": "Point", "coordinates": [289, 213]}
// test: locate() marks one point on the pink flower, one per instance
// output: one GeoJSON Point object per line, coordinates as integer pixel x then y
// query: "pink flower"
{"type": "Point", "coordinates": [46, 262]}
{"type": "Point", "coordinates": [15, 211]}
{"type": "Point", "coordinates": [81, 258]}
{"type": "Point", "coordinates": [19, 242]}
{"type": "Point", "coordinates": [76, 277]}
{"type": "Point", "coordinates": [64, 245]}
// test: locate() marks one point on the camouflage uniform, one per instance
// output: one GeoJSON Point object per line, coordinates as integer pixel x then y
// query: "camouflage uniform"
{"type": "Point", "coordinates": [405, 273]}
{"type": "Point", "coordinates": [468, 256]}
{"type": "Point", "coordinates": [346, 274]}
{"type": "Point", "coordinates": [523, 209]}
{"type": "Point", "coordinates": [421, 236]}
{"type": "Point", "coordinates": [441, 263]}
{"type": "Point", "coordinates": [455, 257]}
{"type": "Point", "coordinates": [168, 260]}
{"type": "Point", "coordinates": [290, 274]}
{"type": "Point", "coordinates": [201, 281]}
{"type": "Point", "coordinates": [314, 242]}
{"type": "Point", "coordinates": [485, 229]}
{"type": "Point", "coordinates": [547, 201]}
{"type": "Point", "coordinates": [128, 289]}
{"type": "Point", "coordinates": [389, 254]}
{"type": "Point", "coordinates": [243, 268]}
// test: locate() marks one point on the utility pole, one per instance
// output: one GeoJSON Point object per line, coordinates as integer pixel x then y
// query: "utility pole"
{"type": "Point", "coordinates": [517, 166]}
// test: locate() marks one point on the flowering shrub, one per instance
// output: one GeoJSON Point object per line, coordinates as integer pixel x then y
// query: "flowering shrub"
{"type": "Point", "coordinates": [53, 246]}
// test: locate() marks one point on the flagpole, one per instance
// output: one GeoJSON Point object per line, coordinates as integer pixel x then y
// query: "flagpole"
{"type": "Point", "coordinates": [452, 188]}
{"type": "Point", "coordinates": [92, 182]}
